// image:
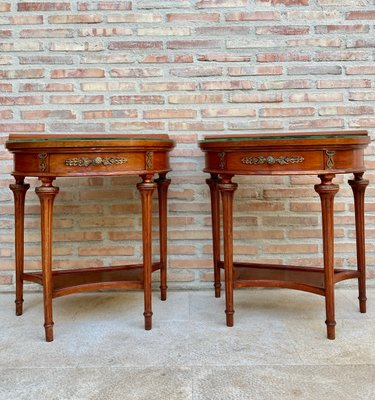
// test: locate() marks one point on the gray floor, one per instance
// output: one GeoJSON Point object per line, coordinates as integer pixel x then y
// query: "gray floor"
{"type": "Point", "coordinates": [276, 350]}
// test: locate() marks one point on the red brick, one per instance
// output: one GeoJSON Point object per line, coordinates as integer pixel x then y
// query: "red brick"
{"type": "Point", "coordinates": [193, 44]}
{"type": "Point", "coordinates": [287, 84]}
{"type": "Point", "coordinates": [42, 114]}
{"type": "Point", "coordinates": [196, 126]}
{"type": "Point", "coordinates": [346, 110]}
{"type": "Point", "coordinates": [137, 126]}
{"type": "Point", "coordinates": [281, 57]}
{"type": "Point", "coordinates": [315, 97]}
{"type": "Point", "coordinates": [167, 86]}
{"type": "Point", "coordinates": [5, 33]}
{"type": "Point", "coordinates": [105, 32]}
{"type": "Point", "coordinates": [253, 16]}
{"type": "Point", "coordinates": [221, 3]}
{"type": "Point", "coordinates": [22, 74]}
{"type": "Point", "coordinates": [76, 99]}
{"type": "Point", "coordinates": [77, 73]}
{"type": "Point", "coordinates": [256, 98]}
{"type": "Point", "coordinates": [361, 43]}
{"type": "Point", "coordinates": [256, 125]}
{"type": "Point", "coordinates": [315, 70]}
{"type": "Point", "coordinates": [76, 127]}
{"type": "Point", "coordinates": [21, 100]}
{"type": "Point", "coordinates": [316, 124]}
{"type": "Point", "coordinates": [167, 114]}
{"type": "Point", "coordinates": [282, 30]}
{"type": "Point", "coordinates": [106, 5]}
{"type": "Point", "coordinates": [341, 56]}
{"type": "Point", "coordinates": [324, 29]}
{"type": "Point", "coordinates": [360, 70]}
{"type": "Point", "coordinates": [224, 58]}
{"type": "Point", "coordinates": [195, 99]}
{"type": "Point", "coordinates": [6, 114]}
{"type": "Point", "coordinates": [137, 99]}
{"type": "Point", "coordinates": [128, 45]}
{"type": "Point", "coordinates": [135, 72]}
{"type": "Point", "coordinates": [6, 87]}
{"type": "Point", "coordinates": [223, 30]}
{"type": "Point", "coordinates": [46, 87]}
{"type": "Point", "coordinates": [286, 112]}
{"type": "Point", "coordinates": [43, 6]}
{"type": "Point", "coordinates": [228, 112]}
{"type": "Point", "coordinates": [26, 20]}
{"type": "Point", "coordinates": [366, 15]}
{"type": "Point", "coordinates": [211, 17]}
{"type": "Point", "coordinates": [75, 19]}
{"type": "Point", "coordinates": [45, 60]}
{"type": "Point", "coordinates": [5, 7]}
{"type": "Point", "coordinates": [343, 83]}
{"type": "Point", "coordinates": [100, 114]}
{"type": "Point", "coordinates": [362, 96]}
{"type": "Point", "coordinates": [284, 2]}
{"type": "Point", "coordinates": [226, 85]}
{"type": "Point", "coordinates": [22, 127]}
{"type": "Point", "coordinates": [314, 42]}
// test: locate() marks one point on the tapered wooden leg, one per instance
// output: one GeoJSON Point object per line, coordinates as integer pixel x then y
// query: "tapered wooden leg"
{"type": "Point", "coordinates": [227, 189]}
{"type": "Point", "coordinates": [359, 185]}
{"type": "Point", "coordinates": [146, 189]}
{"type": "Point", "coordinates": [327, 190]}
{"type": "Point", "coordinates": [163, 184]}
{"type": "Point", "coordinates": [47, 193]}
{"type": "Point", "coordinates": [215, 218]}
{"type": "Point", "coordinates": [19, 190]}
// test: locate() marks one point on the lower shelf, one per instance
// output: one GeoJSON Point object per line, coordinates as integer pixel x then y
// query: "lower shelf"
{"type": "Point", "coordinates": [88, 279]}
{"type": "Point", "coordinates": [309, 279]}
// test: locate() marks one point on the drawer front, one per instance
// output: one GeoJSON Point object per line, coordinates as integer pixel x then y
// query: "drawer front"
{"type": "Point", "coordinates": [284, 162]}
{"type": "Point", "coordinates": [90, 163]}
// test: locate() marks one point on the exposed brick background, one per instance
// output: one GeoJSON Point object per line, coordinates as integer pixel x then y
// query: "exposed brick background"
{"type": "Point", "coordinates": [186, 68]}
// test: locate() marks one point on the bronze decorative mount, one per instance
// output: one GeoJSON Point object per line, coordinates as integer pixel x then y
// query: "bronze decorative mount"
{"type": "Point", "coordinates": [85, 161]}
{"type": "Point", "coordinates": [271, 160]}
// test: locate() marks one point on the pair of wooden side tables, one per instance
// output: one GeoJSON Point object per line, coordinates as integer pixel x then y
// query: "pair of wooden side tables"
{"type": "Point", "coordinates": [321, 153]}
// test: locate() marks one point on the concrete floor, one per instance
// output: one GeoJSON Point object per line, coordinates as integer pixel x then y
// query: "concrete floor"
{"type": "Point", "coordinates": [276, 350]}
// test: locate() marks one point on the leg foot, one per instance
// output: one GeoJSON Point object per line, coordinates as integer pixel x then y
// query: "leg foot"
{"type": "Point", "coordinates": [331, 332]}
{"type": "Point", "coordinates": [148, 320]}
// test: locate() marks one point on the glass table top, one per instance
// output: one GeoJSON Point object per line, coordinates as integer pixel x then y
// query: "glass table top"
{"type": "Point", "coordinates": [52, 138]}
{"type": "Point", "coordinates": [286, 136]}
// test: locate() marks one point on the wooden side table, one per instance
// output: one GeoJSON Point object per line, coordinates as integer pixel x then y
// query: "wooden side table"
{"type": "Point", "coordinates": [322, 153]}
{"type": "Point", "coordinates": [50, 156]}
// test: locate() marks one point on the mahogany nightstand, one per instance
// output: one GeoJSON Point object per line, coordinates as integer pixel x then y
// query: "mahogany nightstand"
{"type": "Point", "coordinates": [52, 156]}
{"type": "Point", "coordinates": [321, 153]}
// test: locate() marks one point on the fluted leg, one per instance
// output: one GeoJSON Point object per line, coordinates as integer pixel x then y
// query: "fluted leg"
{"type": "Point", "coordinates": [19, 190]}
{"type": "Point", "coordinates": [327, 190]}
{"type": "Point", "coordinates": [47, 193]}
{"type": "Point", "coordinates": [359, 185]}
{"type": "Point", "coordinates": [215, 218]}
{"type": "Point", "coordinates": [163, 184]}
{"type": "Point", "coordinates": [146, 189]}
{"type": "Point", "coordinates": [227, 189]}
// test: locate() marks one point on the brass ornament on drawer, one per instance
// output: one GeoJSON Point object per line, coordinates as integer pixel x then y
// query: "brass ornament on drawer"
{"type": "Point", "coordinates": [330, 161]}
{"type": "Point", "coordinates": [86, 162]}
{"type": "Point", "coordinates": [221, 160]}
{"type": "Point", "coordinates": [271, 160]}
{"type": "Point", "coordinates": [149, 159]}
{"type": "Point", "coordinates": [42, 161]}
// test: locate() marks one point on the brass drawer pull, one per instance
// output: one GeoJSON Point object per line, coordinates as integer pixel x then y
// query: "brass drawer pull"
{"type": "Point", "coordinates": [86, 162]}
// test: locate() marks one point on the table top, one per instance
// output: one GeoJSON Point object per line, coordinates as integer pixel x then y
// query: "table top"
{"type": "Point", "coordinates": [287, 153]}
{"type": "Point", "coordinates": [287, 136]}
{"type": "Point", "coordinates": [29, 141]}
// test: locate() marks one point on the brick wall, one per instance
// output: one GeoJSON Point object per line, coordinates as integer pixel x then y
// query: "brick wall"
{"type": "Point", "coordinates": [187, 68]}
